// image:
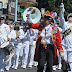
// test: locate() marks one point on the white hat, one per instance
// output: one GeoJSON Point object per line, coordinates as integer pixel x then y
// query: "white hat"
{"type": "Point", "coordinates": [69, 15]}
{"type": "Point", "coordinates": [3, 16]}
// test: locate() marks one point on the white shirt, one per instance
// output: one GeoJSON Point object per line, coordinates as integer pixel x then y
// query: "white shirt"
{"type": "Point", "coordinates": [26, 37]}
{"type": "Point", "coordinates": [21, 36]}
{"type": "Point", "coordinates": [5, 30]}
{"type": "Point", "coordinates": [33, 35]}
{"type": "Point", "coordinates": [46, 35]}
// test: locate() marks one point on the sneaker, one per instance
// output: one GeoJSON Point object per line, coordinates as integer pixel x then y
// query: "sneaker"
{"type": "Point", "coordinates": [35, 65]}
{"type": "Point", "coordinates": [15, 68]}
{"type": "Point", "coordinates": [59, 66]}
{"type": "Point", "coordinates": [7, 69]}
{"type": "Point", "coordinates": [54, 68]}
{"type": "Point", "coordinates": [23, 66]}
{"type": "Point", "coordinates": [30, 66]}
{"type": "Point", "coordinates": [2, 70]}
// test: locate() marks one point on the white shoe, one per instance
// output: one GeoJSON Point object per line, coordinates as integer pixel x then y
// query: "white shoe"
{"type": "Point", "coordinates": [54, 68]}
{"type": "Point", "coordinates": [35, 65]}
{"type": "Point", "coordinates": [7, 69]}
{"type": "Point", "coordinates": [23, 66]}
{"type": "Point", "coordinates": [59, 66]}
{"type": "Point", "coordinates": [15, 68]}
{"type": "Point", "coordinates": [2, 70]}
{"type": "Point", "coordinates": [30, 66]}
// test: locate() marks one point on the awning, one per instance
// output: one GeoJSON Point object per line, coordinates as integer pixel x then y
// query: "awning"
{"type": "Point", "coordinates": [29, 2]}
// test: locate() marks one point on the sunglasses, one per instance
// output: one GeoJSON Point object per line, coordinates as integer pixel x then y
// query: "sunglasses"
{"type": "Point", "coordinates": [2, 18]}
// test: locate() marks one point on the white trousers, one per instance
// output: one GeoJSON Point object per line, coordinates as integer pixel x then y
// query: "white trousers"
{"type": "Point", "coordinates": [32, 52]}
{"type": "Point", "coordinates": [18, 52]}
{"type": "Point", "coordinates": [26, 52]}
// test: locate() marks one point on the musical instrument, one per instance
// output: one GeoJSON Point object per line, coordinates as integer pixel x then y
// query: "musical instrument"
{"type": "Point", "coordinates": [7, 48]}
{"type": "Point", "coordinates": [34, 14]}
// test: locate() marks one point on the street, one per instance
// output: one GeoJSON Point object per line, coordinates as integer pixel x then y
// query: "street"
{"type": "Point", "coordinates": [34, 69]}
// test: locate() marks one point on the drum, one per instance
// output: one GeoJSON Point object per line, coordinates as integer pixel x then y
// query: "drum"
{"type": "Point", "coordinates": [7, 48]}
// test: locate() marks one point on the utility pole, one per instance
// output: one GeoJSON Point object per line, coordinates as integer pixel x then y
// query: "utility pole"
{"type": "Point", "coordinates": [16, 4]}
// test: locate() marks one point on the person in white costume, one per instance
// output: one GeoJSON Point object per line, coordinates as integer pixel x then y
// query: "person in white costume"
{"type": "Point", "coordinates": [5, 30]}
{"type": "Point", "coordinates": [11, 36]}
{"type": "Point", "coordinates": [33, 38]}
{"type": "Point", "coordinates": [67, 37]}
{"type": "Point", "coordinates": [19, 35]}
{"type": "Point", "coordinates": [25, 46]}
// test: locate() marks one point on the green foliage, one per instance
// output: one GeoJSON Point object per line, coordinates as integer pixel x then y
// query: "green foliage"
{"type": "Point", "coordinates": [54, 5]}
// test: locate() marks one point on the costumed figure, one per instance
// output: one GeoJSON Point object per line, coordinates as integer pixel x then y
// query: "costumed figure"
{"type": "Point", "coordinates": [48, 42]}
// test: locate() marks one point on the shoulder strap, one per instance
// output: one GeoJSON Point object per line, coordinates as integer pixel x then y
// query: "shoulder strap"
{"type": "Point", "coordinates": [67, 32]}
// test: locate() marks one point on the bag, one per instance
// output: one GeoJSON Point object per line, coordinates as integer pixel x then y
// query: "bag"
{"type": "Point", "coordinates": [65, 66]}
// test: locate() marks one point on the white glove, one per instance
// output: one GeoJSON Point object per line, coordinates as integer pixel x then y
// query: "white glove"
{"type": "Point", "coordinates": [62, 7]}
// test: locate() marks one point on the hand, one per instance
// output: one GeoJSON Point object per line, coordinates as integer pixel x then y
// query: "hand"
{"type": "Point", "coordinates": [27, 31]}
{"type": "Point", "coordinates": [62, 5]}
{"type": "Point", "coordinates": [32, 30]}
{"type": "Point", "coordinates": [17, 36]}
{"type": "Point", "coordinates": [44, 41]}
{"type": "Point", "coordinates": [8, 39]}
{"type": "Point", "coordinates": [35, 39]}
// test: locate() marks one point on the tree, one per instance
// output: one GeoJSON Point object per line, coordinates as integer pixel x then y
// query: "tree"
{"type": "Point", "coordinates": [54, 5]}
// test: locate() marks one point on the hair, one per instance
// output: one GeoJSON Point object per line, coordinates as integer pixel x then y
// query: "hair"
{"type": "Point", "coordinates": [48, 17]}
{"type": "Point", "coordinates": [69, 17]}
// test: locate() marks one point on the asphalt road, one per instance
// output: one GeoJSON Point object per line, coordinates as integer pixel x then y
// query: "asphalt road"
{"type": "Point", "coordinates": [34, 69]}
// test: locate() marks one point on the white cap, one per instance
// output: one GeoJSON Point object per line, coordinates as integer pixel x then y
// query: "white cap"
{"type": "Point", "coordinates": [3, 16]}
{"type": "Point", "coordinates": [69, 15]}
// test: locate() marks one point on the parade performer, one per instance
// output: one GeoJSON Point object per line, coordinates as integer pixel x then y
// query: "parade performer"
{"type": "Point", "coordinates": [5, 30]}
{"type": "Point", "coordinates": [67, 34]}
{"type": "Point", "coordinates": [48, 42]}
